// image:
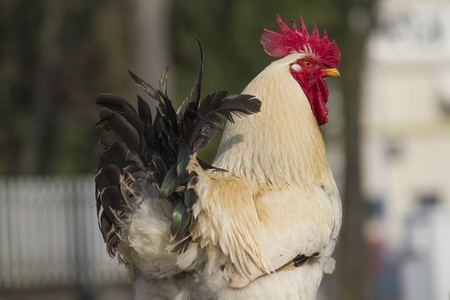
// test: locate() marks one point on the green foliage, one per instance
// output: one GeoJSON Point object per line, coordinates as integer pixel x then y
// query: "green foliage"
{"type": "Point", "coordinates": [55, 57]}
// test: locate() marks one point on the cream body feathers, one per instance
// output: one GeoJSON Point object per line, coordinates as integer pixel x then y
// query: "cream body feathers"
{"type": "Point", "coordinates": [277, 200]}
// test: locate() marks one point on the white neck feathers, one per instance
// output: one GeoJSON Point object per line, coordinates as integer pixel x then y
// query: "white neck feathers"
{"type": "Point", "coordinates": [282, 145]}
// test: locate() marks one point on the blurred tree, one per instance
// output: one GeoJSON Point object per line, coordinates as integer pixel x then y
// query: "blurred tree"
{"type": "Point", "coordinates": [55, 57]}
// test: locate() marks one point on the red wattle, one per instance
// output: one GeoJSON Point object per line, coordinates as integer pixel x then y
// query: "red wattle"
{"type": "Point", "coordinates": [318, 100]}
{"type": "Point", "coordinates": [317, 93]}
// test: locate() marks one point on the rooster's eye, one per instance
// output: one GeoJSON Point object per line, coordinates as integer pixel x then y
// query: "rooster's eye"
{"type": "Point", "coordinates": [307, 64]}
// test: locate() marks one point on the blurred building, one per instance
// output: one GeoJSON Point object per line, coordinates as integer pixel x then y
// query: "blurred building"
{"type": "Point", "coordinates": [405, 144]}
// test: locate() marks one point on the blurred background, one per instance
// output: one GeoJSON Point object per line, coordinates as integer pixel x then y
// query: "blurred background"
{"type": "Point", "coordinates": [388, 138]}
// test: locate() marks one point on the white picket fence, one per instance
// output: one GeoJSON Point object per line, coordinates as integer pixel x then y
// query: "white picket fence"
{"type": "Point", "coordinates": [49, 234]}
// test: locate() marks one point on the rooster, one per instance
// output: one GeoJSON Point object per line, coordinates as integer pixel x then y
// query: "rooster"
{"type": "Point", "coordinates": [260, 222]}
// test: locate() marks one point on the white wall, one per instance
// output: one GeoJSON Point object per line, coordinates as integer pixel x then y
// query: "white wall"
{"type": "Point", "coordinates": [405, 122]}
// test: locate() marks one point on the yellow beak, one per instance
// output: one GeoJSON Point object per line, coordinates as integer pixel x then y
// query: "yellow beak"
{"type": "Point", "coordinates": [331, 72]}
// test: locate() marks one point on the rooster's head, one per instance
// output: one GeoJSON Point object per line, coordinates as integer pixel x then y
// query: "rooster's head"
{"type": "Point", "coordinates": [319, 60]}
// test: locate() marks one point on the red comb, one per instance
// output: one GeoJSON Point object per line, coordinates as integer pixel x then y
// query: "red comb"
{"type": "Point", "coordinates": [290, 41]}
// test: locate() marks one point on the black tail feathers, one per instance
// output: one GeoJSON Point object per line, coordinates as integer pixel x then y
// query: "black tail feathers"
{"type": "Point", "coordinates": [140, 149]}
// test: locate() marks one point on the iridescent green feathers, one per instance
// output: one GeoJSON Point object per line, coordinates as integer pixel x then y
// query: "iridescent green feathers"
{"type": "Point", "coordinates": [151, 153]}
